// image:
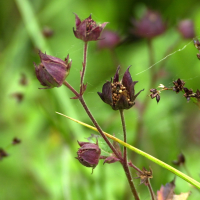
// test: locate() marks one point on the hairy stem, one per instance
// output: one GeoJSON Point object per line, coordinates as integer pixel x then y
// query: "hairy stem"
{"type": "Point", "coordinates": [125, 163]}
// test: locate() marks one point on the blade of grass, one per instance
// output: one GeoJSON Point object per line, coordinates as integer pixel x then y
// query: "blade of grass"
{"type": "Point", "coordinates": [153, 159]}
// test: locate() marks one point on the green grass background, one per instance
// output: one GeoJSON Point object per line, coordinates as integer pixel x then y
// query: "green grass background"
{"type": "Point", "coordinates": [43, 165]}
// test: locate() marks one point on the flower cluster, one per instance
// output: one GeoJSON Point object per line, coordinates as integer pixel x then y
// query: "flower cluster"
{"type": "Point", "coordinates": [178, 87]}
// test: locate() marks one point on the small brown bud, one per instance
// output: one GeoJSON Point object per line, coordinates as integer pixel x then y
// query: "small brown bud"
{"type": "Point", "coordinates": [188, 93]}
{"type": "Point", "coordinates": [155, 94]}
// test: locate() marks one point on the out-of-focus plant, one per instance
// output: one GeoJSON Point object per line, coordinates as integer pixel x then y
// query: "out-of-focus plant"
{"type": "Point", "coordinates": [120, 95]}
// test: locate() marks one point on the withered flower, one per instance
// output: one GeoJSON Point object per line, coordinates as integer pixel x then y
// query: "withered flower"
{"type": "Point", "coordinates": [145, 175]}
{"type": "Point", "coordinates": [178, 85]}
{"type": "Point", "coordinates": [88, 29]}
{"type": "Point", "coordinates": [188, 93]}
{"type": "Point", "coordinates": [119, 94]}
{"type": "Point", "coordinates": [52, 71]}
{"type": "Point", "coordinates": [149, 26]}
{"type": "Point", "coordinates": [186, 29]}
{"type": "Point", "coordinates": [89, 154]}
{"type": "Point", "coordinates": [155, 94]}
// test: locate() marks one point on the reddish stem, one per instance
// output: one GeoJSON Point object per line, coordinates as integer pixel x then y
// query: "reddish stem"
{"type": "Point", "coordinates": [151, 190]}
{"type": "Point", "coordinates": [84, 67]}
{"type": "Point", "coordinates": [123, 162]}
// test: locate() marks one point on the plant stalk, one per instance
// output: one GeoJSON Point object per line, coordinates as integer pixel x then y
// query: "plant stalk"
{"type": "Point", "coordinates": [125, 163]}
{"type": "Point", "coordinates": [84, 67]}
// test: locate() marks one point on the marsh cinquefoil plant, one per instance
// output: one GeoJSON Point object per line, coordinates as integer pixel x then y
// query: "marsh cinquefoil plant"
{"type": "Point", "coordinates": [119, 94]}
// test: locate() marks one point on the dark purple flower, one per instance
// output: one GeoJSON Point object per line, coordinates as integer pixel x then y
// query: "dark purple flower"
{"type": "Point", "coordinates": [149, 26]}
{"type": "Point", "coordinates": [178, 85]}
{"type": "Point", "coordinates": [188, 93]}
{"type": "Point", "coordinates": [110, 40]}
{"type": "Point", "coordinates": [119, 95]}
{"type": "Point", "coordinates": [88, 29]}
{"type": "Point", "coordinates": [52, 71]}
{"type": "Point", "coordinates": [186, 29]}
{"type": "Point", "coordinates": [155, 94]}
{"type": "Point", "coordinates": [89, 154]}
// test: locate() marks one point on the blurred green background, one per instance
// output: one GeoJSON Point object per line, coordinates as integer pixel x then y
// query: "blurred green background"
{"type": "Point", "coordinates": [43, 165]}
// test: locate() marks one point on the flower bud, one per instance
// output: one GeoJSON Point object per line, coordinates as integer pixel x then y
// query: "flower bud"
{"type": "Point", "coordinates": [110, 40]}
{"type": "Point", "coordinates": [88, 30]}
{"type": "Point", "coordinates": [149, 26]}
{"type": "Point", "coordinates": [89, 154]}
{"type": "Point", "coordinates": [186, 29]}
{"type": "Point", "coordinates": [119, 95]}
{"type": "Point", "coordinates": [52, 71]}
